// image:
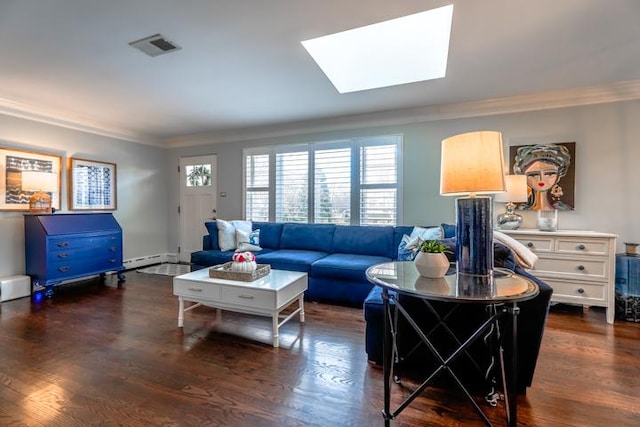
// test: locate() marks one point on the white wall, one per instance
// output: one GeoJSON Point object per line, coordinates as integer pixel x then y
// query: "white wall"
{"type": "Point", "coordinates": [607, 150]}
{"type": "Point", "coordinates": [141, 182]}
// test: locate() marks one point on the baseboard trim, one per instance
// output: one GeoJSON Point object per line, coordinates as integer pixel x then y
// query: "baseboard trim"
{"type": "Point", "coordinates": [143, 261]}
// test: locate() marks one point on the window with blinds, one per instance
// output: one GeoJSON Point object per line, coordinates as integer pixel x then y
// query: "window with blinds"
{"type": "Point", "coordinates": [292, 187]}
{"type": "Point", "coordinates": [257, 187]}
{"type": "Point", "coordinates": [343, 182]}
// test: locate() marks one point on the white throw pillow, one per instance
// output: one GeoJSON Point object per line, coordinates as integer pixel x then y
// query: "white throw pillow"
{"type": "Point", "coordinates": [227, 232]}
{"type": "Point", "coordinates": [432, 233]}
{"type": "Point", "coordinates": [248, 241]}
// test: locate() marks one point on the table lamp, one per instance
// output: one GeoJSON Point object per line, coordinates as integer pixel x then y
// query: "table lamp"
{"type": "Point", "coordinates": [516, 193]}
{"type": "Point", "coordinates": [472, 164]}
{"type": "Point", "coordinates": [40, 182]}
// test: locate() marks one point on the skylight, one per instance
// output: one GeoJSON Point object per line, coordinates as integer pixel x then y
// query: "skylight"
{"type": "Point", "coordinates": [403, 50]}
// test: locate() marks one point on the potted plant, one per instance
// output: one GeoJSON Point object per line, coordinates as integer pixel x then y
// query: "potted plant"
{"type": "Point", "coordinates": [431, 260]}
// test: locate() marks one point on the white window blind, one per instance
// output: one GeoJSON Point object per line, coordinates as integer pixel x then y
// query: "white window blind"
{"type": "Point", "coordinates": [342, 182]}
{"type": "Point", "coordinates": [292, 187]}
{"type": "Point", "coordinates": [257, 187]}
{"type": "Point", "coordinates": [332, 186]}
{"type": "Point", "coordinates": [378, 184]}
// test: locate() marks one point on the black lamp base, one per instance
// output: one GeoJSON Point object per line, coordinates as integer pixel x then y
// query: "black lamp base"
{"type": "Point", "coordinates": [474, 235]}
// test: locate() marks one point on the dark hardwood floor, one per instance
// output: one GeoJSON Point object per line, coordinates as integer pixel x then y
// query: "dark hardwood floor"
{"type": "Point", "coordinates": [103, 356]}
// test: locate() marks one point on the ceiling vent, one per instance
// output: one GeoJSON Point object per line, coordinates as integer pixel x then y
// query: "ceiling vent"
{"type": "Point", "coordinates": [155, 45]}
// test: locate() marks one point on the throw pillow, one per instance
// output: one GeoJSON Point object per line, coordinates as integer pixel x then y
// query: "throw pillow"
{"type": "Point", "coordinates": [248, 241]}
{"type": "Point", "coordinates": [227, 232]}
{"type": "Point", "coordinates": [431, 233]}
{"type": "Point", "coordinates": [408, 248]}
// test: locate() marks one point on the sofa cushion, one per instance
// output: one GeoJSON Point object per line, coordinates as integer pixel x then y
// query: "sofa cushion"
{"type": "Point", "coordinates": [212, 228]}
{"type": "Point", "coordinates": [363, 240]}
{"type": "Point", "coordinates": [208, 258]}
{"type": "Point", "coordinates": [310, 237]}
{"type": "Point", "coordinates": [270, 233]}
{"type": "Point", "coordinates": [398, 232]}
{"type": "Point", "coordinates": [289, 259]}
{"type": "Point", "coordinates": [345, 266]}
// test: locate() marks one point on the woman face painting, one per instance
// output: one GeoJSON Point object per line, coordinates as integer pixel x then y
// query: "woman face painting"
{"type": "Point", "coordinates": [541, 176]}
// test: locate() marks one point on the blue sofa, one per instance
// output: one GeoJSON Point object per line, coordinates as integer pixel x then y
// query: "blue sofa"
{"type": "Point", "coordinates": [335, 257]}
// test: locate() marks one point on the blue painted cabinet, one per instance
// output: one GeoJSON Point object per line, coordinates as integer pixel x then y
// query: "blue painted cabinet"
{"type": "Point", "coordinates": [63, 247]}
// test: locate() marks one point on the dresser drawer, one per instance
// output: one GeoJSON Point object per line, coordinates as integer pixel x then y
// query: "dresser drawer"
{"type": "Point", "coordinates": [537, 244]}
{"type": "Point", "coordinates": [579, 246]}
{"type": "Point", "coordinates": [68, 268]}
{"type": "Point", "coordinates": [576, 292]}
{"type": "Point", "coordinates": [187, 288]}
{"type": "Point", "coordinates": [257, 298]}
{"type": "Point", "coordinates": [66, 243]}
{"type": "Point", "coordinates": [582, 269]}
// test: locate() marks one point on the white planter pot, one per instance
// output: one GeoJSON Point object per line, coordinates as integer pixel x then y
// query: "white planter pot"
{"type": "Point", "coordinates": [431, 265]}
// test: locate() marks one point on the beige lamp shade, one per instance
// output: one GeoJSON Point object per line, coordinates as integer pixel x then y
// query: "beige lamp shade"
{"type": "Point", "coordinates": [516, 190]}
{"type": "Point", "coordinates": [472, 163]}
{"type": "Point", "coordinates": [39, 181]}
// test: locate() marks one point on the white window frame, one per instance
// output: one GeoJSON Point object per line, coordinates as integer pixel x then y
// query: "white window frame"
{"type": "Point", "coordinates": [355, 144]}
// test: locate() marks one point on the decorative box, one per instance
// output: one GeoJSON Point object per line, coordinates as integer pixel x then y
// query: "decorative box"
{"type": "Point", "coordinates": [224, 271]}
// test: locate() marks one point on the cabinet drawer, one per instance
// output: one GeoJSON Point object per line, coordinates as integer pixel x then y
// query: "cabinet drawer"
{"type": "Point", "coordinates": [567, 245]}
{"type": "Point", "coordinates": [582, 269]}
{"type": "Point", "coordinates": [536, 243]}
{"type": "Point", "coordinates": [85, 242]}
{"type": "Point", "coordinates": [187, 288]}
{"type": "Point", "coordinates": [580, 293]}
{"type": "Point", "coordinates": [83, 266]}
{"type": "Point", "coordinates": [248, 297]}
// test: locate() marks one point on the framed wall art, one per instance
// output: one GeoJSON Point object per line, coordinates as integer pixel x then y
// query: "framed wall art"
{"type": "Point", "coordinates": [550, 172]}
{"type": "Point", "coordinates": [92, 185]}
{"type": "Point", "coordinates": [14, 192]}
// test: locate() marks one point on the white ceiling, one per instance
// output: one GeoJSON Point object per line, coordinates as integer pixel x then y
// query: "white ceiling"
{"type": "Point", "coordinates": [242, 68]}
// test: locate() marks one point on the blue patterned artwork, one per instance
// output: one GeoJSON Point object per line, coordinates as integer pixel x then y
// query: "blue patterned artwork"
{"type": "Point", "coordinates": [93, 185]}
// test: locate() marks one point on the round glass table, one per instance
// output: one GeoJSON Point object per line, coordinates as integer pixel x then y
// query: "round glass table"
{"type": "Point", "coordinates": [500, 292]}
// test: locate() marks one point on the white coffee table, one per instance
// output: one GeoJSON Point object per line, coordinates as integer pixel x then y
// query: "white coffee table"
{"type": "Point", "coordinates": [267, 296]}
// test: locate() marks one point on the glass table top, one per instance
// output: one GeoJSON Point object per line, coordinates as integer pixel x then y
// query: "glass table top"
{"type": "Point", "coordinates": [503, 286]}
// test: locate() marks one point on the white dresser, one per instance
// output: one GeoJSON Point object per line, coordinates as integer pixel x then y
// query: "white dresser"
{"type": "Point", "coordinates": [578, 265]}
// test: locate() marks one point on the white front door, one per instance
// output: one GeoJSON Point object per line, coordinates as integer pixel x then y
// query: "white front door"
{"type": "Point", "coordinates": [198, 189]}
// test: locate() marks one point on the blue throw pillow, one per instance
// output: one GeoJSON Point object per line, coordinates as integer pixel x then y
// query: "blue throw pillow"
{"type": "Point", "coordinates": [408, 248]}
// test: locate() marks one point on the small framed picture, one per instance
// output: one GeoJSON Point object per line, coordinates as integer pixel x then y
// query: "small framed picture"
{"type": "Point", "coordinates": [92, 185]}
{"type": "Point", "coordinates": [44, 171]}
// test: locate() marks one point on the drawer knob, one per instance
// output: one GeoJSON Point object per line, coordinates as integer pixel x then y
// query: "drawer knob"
{"type": "Point", "coordinates": [195, 289]}
{"type": "Point", "coordinates": [112, 249]}
{"type": "Point", "coordinates": [63, 255]}
{"type": "Point", "coordinates": [112, 260]}
{"type": "Point", "coordinates": [530, 244]}
{"type": "Point", "coordinates": [245, 296]}
{"type": "Point", "coordinates": [581, 267]}
{"type": "Point", "coordinates": [64, 269]}
{"type": "Point", "coordinates": [63, 244]}
{"type": "Point", "coordinates": [580, 291]}
{"type": "Point", "coordinates": [581, 247]}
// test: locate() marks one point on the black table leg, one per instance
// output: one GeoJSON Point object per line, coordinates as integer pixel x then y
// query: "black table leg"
{"type": "Point", "coordinates": [387, 346]}
{"type": "Point", "coordinates": [512, 383]}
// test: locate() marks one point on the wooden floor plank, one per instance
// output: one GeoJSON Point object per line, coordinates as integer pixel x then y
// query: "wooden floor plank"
{"type": "Point", "coordinates": [100, 355]}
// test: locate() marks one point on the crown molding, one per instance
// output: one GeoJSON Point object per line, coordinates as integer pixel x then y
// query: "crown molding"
{"type": "Point", "coordinates": [30, 112]}
{"type": "Point", "coordinates": [591, 95]}
{"type": "Point", "coordinates": [583, 96]}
